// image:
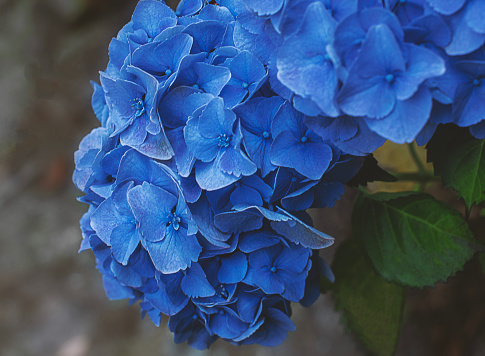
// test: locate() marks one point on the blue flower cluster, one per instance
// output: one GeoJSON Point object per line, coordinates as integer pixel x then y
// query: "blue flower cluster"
{"type": "Point", "coordinates": [365, 70]}
{"type": "Point", "coordinates": [199, 177]}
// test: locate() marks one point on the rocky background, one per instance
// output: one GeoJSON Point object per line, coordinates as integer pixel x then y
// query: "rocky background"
{"type": "Point", "coordinates": [51, 298]}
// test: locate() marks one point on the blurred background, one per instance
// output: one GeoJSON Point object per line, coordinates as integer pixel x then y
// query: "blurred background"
{"type": "Point", "coordinates": [51, 298]}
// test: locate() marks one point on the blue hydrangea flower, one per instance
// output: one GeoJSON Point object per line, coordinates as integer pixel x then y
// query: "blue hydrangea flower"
{"type": "Point", "coordinates": [220, 124]}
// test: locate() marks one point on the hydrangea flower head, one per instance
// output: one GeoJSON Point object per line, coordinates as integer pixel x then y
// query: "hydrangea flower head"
{"type": "Point", "coordinates": [190, 209]}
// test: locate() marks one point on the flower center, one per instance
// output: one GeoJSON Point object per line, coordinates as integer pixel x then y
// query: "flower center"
{"type": "Point", "coordinates": [168, 72]}
{"type": "Point", "coordinates": [245, 85]}
{"type": "Point", "coordinates": [265, 135]}
{"type": "Point", "coordinates": [195, 316]}
{"type": "Point", "coordinates": [174, 220]}
{"type": "Point", "coordinates": [273, 269]}
{"type": "Point", "coordinates": [222, 291]}
{"type": "Point", "coordinates": [476, 82]}
{"type": "Point", "coordinates": [224, 140]}
{"type": "Point", "coordinates": [390, 78]}
{"type": "Point", "coordinates": [293, 179]}
{"type": "Point", "coordinates": [137, 105]}
{"type": "Point", "coordinates": [196, 86]}
{"type": "Point", "coordinates": [304, 139]}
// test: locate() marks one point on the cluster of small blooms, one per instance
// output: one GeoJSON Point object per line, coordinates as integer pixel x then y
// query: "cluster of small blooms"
{"type": "Point", "coordinates": [368, 70]}
{"type": "Point", "coordinates": [198, 178]}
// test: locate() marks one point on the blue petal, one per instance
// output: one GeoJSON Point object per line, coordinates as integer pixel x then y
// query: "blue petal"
{"type": "Point", "coordinates": [478, 130]}
{"type": "Point", "coordinates": [430, 28]}
{"type": "Point", "coordinates": [310, 158]}
{"type": "Point", "coordinates": [175, 252]}
{"type": "Point", "coordinates": [124, 240]}
{"type": "Point", "coordinates": [300, 233]}
{"type": "Point", "coordinates": [244, 195]}
{"type": "Point", "coordinates": [233, 268]}
{"type": "Point", "coordinates": [151, 205]}
{"type": "Point", "coordinates": [475, 12]}
{"type": "Point", "coordinates": [304, 64]}
{"type": "Point", "coordinates": [262, 8]}
{"type": "Point", "coordinates": [184, 158]}
{"type": "Point", "coordinates": [153, 17]}
{"type": "Point", "coordinates": [157, 58]}
{"type": "Point", "coordinates": [162, 302]}
{"type": "Point", "coordinates": [422, 64]}
{"type": "Point", "coordinates": [236, 163]}
{"type": "Point", "coordinates": [114, 290]}
{"type": "Point", "coordinates": [294, 286]}
{"type": "Point", "coordinates": [210, 176]}
{"type": "Point", "coordinates": [203, 216]}
{"type": "Point", "coordinates": [204, 149]}
{"type": "Point", "coordinates": [207, 35]}
{"type": "Point", "coordinates": [211, 78]}
{"type": "Point", "coordinates": [464, 39]}
{"type": "Point", "coordinates": [255, 240]}
{"type": "Point", "coordinates": [195, 283]}
{"type": "Point", "coordinates": [406, 120]}
{"type": "Point", "coordinates": [156, 146]}
{"type": "Point", "coordinates": [189, 7]}
{"type": "Point", "coordinates": [468, 107]}
{"type": "Point", "coordinates": [127, 274]}
{"type": "Point", "coordinates": [217, 13]}
{"type": "Point", "coordinates": [351, 32]}
{"type": "Point", "coordinates": [293, 259]}
{"type": "Point", "coordinates": [104, 219]}
{"type": "Point", "coordinates": [246, 219]}
{"type": "Point", "coordinates": [446, 7]}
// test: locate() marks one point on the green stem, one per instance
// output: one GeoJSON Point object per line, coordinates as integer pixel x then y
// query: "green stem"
{"type": "Point", "coordinates": [416, 177]}
{"type": "Point", "coordinates": [417, 161]}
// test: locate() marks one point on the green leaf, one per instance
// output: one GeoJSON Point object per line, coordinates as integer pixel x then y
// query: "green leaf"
{"type": "Point", "coordinates": [370, 172]}
{"type": "Point", "coordinates": [459, 159]}
{"type": "Point", "coordinates": [411, 238]}
{"type": "Point", "coordinates": [371, 307]}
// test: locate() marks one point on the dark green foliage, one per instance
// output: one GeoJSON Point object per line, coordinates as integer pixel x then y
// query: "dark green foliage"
{"type": "Point", "coordinates": [411, 238]}
{"type": "Point", "coordinates": [371, 307]}
{"type": "Point", "coordinates": [459, 159]}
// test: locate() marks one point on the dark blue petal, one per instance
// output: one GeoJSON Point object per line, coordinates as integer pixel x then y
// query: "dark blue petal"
{"type": "Point", "coordinates": [195, 284]}
{"type": "Point", "coordinates": [468, 106]}
{"type": "Point", "coordinates": [233, 268]}
{"type": "Point", "coordinates": [255, 240]}
{"type": "Point", "coordinates": [204, 217]}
